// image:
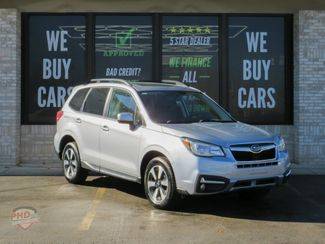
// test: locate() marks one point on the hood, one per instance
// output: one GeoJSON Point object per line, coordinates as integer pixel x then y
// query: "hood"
{"type": "Point", "coordinates": [223, 134]}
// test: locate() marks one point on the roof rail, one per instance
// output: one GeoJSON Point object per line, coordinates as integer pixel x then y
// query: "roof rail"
{"type": "Point", "coordinates": [109, 80]}
{"type": "Point", "coordinates": [175, 82]}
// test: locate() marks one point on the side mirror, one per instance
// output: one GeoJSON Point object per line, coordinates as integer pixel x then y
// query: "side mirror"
{"type": "Point", "coordinates": [125, 118]}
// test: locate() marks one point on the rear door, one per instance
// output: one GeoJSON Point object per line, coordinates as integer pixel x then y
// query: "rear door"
{"type": "Point", "coordinates": [73, 115]}
{"type": "Point", "coordinates": [89, 122]}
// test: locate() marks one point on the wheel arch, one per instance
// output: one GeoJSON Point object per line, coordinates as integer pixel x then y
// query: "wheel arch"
{"type": "Point", "coordinates": [64, 141]}
{"type": "Point", "coordinates": [151, 153]}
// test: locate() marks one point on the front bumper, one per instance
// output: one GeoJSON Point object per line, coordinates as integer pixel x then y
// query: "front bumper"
{"type": "Point", "coordinates": [211, 175]}
{"type": "Point", "coordinates": [207, 184]}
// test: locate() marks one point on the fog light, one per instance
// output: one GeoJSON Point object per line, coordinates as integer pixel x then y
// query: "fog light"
{"type": "Point", "coordinates": [202, 187]}
{"type": "Point", "coordinates": [211, 184]}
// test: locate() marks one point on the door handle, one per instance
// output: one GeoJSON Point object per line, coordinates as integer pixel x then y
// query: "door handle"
{"type": "Point", "coordinates": [78, 120]}
{"type": "Point", "coordinates": [105, 128]}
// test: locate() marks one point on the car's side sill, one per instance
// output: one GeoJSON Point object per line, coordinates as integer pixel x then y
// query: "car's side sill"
{"type": "Point", "coordinates": [111, 172]}
{"type": "Point", "coordinates": [89, 166]}
{"type": "Point", "coordinates": [120, 175]}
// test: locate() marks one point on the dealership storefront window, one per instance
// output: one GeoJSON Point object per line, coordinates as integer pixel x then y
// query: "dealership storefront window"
{"type": "Point", "coordinates": [242, 61]}
{"type": "Point", "coordinates": [123, 47]}
{"type": "Point", "coordinates": [190, 51]}
{"type": "Point", "coordinates": [54, 62]}
{"type": "Point", "coordinates": [257, 69]}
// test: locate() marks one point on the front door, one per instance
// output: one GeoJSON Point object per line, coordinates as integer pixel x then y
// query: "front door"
{"type": "Point", "coordinates": [119, 143]}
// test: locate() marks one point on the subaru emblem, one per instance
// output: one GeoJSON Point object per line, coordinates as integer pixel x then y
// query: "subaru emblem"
{"type": "Point", "coordinates": [256, 148]}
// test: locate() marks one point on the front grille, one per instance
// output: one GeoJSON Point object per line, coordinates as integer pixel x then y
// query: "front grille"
{"type": "Point", "coordinates": [244, 153]}
{"type": "Point", "coordinates": [256, 165]}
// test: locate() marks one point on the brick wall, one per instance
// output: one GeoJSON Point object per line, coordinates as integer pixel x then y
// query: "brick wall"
{"type": "Point", "coordinates": [37, 144]}
{"type": "Point", "coordinates": [9, 86]}
{"type": "Point", "coordinates": [310, 90]}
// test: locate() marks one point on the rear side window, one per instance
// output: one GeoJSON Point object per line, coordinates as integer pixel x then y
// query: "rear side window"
{"type": "Point", "coordinates": [95, 101]}
{"type": "Point", "coordinates": [77, 100]}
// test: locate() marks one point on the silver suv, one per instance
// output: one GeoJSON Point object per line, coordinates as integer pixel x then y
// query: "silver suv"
{"type": "Point", "coordinates": [172, 138]}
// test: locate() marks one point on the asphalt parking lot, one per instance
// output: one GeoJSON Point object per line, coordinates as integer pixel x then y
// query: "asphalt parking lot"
{"type": "Point", "coordinates": [115, 211]}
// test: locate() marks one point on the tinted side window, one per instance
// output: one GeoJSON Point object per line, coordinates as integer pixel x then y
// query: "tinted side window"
{"type": "Point", "coordinates": [96, 101]}
{"type": "Point", "coordinates": [121, 102]}
{"type": "Point", "coordinates": [77, 100]}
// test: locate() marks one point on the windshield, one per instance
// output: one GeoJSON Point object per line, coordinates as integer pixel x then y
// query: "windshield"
{"type": "Point", "coordinates": [173, 107]}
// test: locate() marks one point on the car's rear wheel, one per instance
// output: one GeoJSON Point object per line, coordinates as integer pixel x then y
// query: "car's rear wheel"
{"type": "Point", "coordinates": [160, 184]}
{"type": "Point", "coordinates": [72, 169]}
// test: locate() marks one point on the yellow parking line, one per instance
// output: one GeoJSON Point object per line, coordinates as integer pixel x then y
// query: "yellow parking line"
{"type": "Point", "coordinates": [89, 217]}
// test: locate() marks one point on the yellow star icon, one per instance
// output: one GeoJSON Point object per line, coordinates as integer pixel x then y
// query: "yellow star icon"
{"type": "Point", "coordinates": [173, 29]}
{"type": "Point", "coordinates": [189, 30]}
{"type": "Point", "coordinates": [181, 30]}
{"type": "Point", "coordinates": [207, 30]}
{"type": "Point", "coordinates": [198, 29]}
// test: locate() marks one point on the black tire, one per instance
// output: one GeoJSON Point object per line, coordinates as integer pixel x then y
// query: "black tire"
{"type": "Point", "coordinates": [80, 174]}
{"type": "Point", "coordinates": [171, 196]}
{"type": "Point", "coordinates": [255, 194]}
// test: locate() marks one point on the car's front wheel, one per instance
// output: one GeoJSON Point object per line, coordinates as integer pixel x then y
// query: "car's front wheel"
{"type": "Point", "coordinates": [160, 184]}
{"type": "Point", "coordinates": [72, 169]}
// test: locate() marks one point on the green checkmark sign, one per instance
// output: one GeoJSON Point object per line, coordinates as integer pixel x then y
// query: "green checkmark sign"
{"type": "Point", "coordinates": [124, 38]}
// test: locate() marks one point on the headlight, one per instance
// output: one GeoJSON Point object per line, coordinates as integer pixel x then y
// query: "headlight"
{"type": "Point", "coordinates": [281, 145]}
{"type": "Point", "coordinates": [199, 148]}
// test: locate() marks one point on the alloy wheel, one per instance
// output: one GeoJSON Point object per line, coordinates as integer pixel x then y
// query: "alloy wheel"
{"type": "Point", "coordinates": [157, 184]}
{"type": "Point", "coordinates": [70, 163]}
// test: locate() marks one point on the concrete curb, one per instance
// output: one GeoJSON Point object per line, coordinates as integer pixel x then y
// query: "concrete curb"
{"type": "Point", "coordinates": [34, 170]}
{"type": "Point", "coordinates": [31, 170]}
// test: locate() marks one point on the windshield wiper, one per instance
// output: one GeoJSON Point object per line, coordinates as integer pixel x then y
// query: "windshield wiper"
{"type": "Point", "coordinates": [209, 120]}
{"type": "Point", "coordinates": [215, 120]}
{"type": "Point", "coordinates": [174, 122]}
{"type": "Point", "coordinates": [178, 122]}
{"type": "Point", "coordinates": [195, 121]}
